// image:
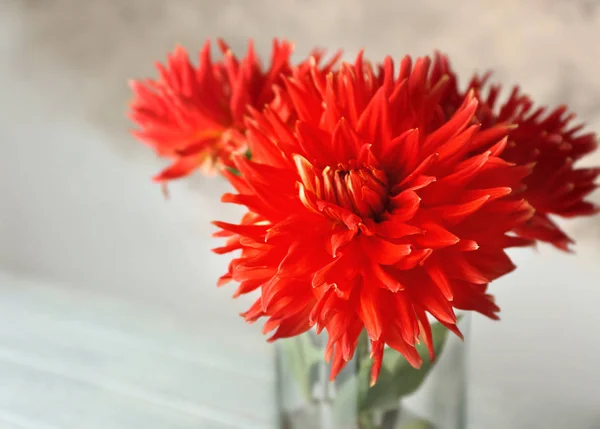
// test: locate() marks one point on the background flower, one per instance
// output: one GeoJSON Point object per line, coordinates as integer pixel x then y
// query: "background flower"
{"type": "Point", "coordinates": [546, 139]}
{"type": "Point", "coordinates": [372, 211]}
{"type": "Point", "coordinates": [195, 115]}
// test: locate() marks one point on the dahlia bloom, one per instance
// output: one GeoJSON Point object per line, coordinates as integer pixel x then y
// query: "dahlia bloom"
{"type": "Point", "coordinates": [195, 115]}
{"type": "Point", "coordinates": [372, 212]}
{"type": "Point", "coordinates": [546, 139]}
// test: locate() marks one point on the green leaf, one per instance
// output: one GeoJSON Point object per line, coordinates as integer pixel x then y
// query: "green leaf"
{"type": "Point", "coordinates": [385, 394]}
{"type": "Point", "coordinates": [300, 355]}
{"type": "Point", "coordinates": [356, 390]}
{"type": "Point", "coordinates": [398, 378]}
{"type": "Point", "coordinates": [409, 378]}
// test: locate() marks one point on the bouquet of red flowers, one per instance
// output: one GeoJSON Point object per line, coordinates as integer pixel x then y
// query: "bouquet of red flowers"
{"type": "Point", "coordinates": [380, 196]}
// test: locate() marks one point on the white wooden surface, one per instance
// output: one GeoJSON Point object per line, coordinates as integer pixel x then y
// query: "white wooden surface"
{"type": "Point", "coordinates": [71, 358]}
{"type": "Point", "coordinates": [76, 360]}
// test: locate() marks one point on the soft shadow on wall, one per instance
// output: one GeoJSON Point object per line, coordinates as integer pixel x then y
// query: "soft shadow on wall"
{"type": "Point", "coordinates": [101, 45]}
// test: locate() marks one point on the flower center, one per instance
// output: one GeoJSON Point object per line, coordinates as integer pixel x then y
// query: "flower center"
{"type": "Point", "coordinates": [363, 191]}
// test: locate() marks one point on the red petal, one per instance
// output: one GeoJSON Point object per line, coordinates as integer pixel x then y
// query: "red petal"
{"type": "Point", "coordinates": [441, 280]}
{"type": "Point", "coordinates": [406, 323]}
{"type": "Point", "coordinates": [180, 168]}
{"type": "Point", "coordinates": [393, 228]}
{"type": "Point", "coordinates": [377, 356]}
{"type": "Point", "coordinates": [368, 311]}
{"type": "Point", "coordinates": [431, 299]}
{"type": "Point", "coordinates": [404, 205]}
{"type": "Point", "coordinates": [458, 212]}
{"type": "Point", "coordinates": [426, 334]}
{"type": "Point", "coordinates": [417, 257]}
{"type": "Point", "coordinates": [389, 281]}
{"type": "Point", "coordinates": [248, 230]}
{"type": "Point", "coordinates": [384, 252]}
{"type": "Point", "coordinates": [435, 236]}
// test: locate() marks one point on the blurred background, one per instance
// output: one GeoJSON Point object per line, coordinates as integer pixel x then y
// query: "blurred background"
{"type": "Point", "coordinates": [109, 314]}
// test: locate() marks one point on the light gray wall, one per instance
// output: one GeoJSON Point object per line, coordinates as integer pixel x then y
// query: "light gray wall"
{"type": "Point", "coordinates": [77, 205]}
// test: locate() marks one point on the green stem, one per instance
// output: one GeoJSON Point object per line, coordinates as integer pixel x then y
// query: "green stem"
{"type": "Point", "coordinates": [390, 418]}
{"type": "Point", "coordinates": [362, 349]}
{"type": "Point", "coordinates": [365, 418]}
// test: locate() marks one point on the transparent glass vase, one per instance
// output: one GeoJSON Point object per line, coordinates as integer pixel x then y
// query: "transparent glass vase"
{"type": "Point", "coordinates": [432, 397]}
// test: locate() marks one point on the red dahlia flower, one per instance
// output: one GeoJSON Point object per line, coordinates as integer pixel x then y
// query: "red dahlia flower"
{"type": "Point", "coordinates": [195, 115]}
{"type": "Point", "coordinates": [545, 139]}
{"type": "Point", "coordinates": [372, 211]}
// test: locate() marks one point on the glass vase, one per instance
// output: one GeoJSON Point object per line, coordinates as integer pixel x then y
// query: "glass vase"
{"type": "Point", "coordinates": [432, 397]}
